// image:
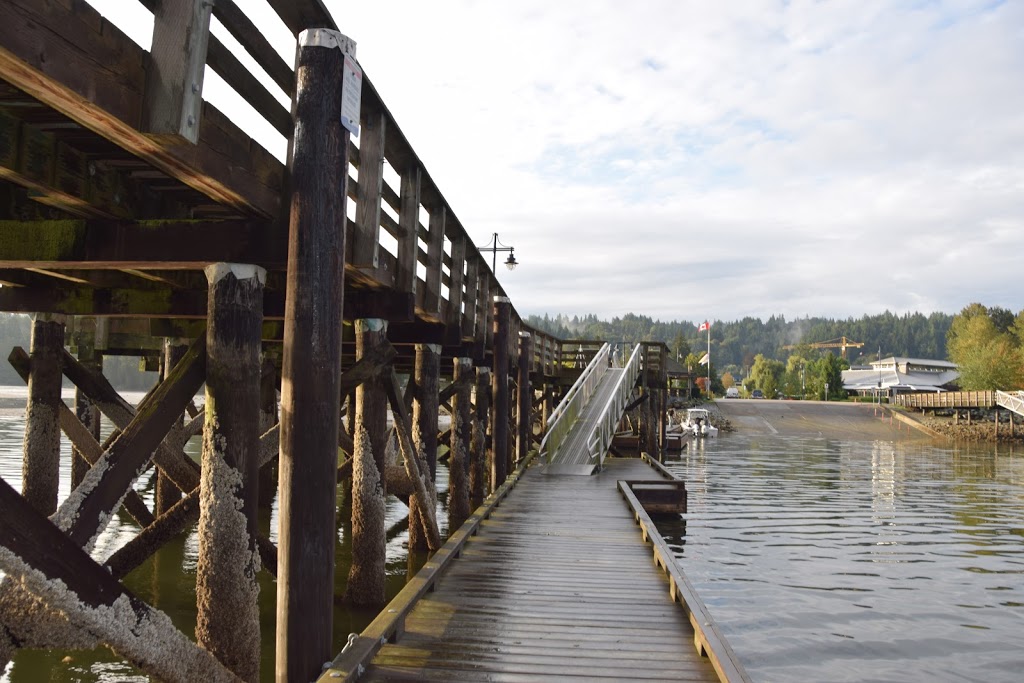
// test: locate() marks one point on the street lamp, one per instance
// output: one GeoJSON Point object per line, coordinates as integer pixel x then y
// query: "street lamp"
{"type": "Point", "coordinates": [494, 246]}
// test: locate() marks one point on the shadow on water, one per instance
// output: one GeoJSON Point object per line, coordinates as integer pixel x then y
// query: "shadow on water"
{"type": "Point", "coordinates": [826, 559]}
{"type": "Point", "coordinates": [167, 580]}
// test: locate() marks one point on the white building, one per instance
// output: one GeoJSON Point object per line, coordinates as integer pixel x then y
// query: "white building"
{"type": "Point", "coordinates": [903, 375]}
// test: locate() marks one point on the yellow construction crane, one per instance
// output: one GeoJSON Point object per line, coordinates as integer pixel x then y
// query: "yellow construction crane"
{"type": "Point", "coordinates": [842, 343]}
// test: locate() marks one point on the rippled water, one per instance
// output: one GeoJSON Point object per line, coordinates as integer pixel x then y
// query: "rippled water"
{"type": "Point", "coordinates": [829, 560]}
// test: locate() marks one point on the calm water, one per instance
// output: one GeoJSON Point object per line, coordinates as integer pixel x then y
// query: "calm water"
{"type": "Point", "coordinates": [829, 560]}
{"type": "Point", "coordinates": [167, 580]}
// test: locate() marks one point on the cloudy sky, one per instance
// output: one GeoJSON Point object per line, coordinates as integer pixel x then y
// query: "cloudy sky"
{"type": "Point", "coordinates": [691, 160]}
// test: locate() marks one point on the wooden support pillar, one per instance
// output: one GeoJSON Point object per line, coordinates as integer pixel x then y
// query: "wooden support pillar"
{"type": "Point", "coordinates": [311, 365]}
{"type": "Point", "coordinates": [41, 468]}
{"type": "Point", "coordinates": [268, 418]}
{"type": "Point", "coordinates": [424, 435]}
{"type": "Point", "coordinates": [415, 469]}
{"type": "Point", "coordinates": [369, 542]}
{"type": "Point", "coordinates": [524, 421]}
{"type": "Point", "coordinates": [425, 406]}
{"type": "Point", "coordinates": [662, 407]}
{"type": "Point", "coordinates": [499, 384]}
{"type": "Point", "coordinates": [479, 451]}
{"type": "Point", "coordinates": [549, 405]}
{"type": "Point", "coordinates": [461, 433]}
{"type": "Point", "coordinates": [227, 594]}
{"type": "Point", "coordinates": [167, 494]}
{"type": "Point", "coordinates": [86, 411]}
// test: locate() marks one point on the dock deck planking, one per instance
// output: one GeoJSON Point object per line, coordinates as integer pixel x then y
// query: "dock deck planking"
{"type": "Point", "coordinates": [557, 585]}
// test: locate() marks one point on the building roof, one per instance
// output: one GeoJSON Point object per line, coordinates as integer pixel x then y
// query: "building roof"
{"type": "Point", "coordinates": [868, 380]}
{"type": "Point", "coordinates": [903, 360]}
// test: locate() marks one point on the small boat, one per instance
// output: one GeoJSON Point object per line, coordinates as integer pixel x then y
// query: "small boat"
{"type": "Point", "coordinates": [698, 423]}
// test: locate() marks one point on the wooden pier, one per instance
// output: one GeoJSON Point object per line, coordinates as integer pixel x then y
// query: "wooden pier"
{"type": "Point", "coordinates": [136, 219]}
{"type": "Point", "coordinates": [554, 580]}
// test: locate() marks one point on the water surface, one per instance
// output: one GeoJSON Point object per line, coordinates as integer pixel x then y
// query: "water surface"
{"type": "Point", "coordinates": [848, 560]}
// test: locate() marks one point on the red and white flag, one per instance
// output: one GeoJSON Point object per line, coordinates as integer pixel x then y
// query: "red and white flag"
{"type": "Point", "coordinates": [704, 326]}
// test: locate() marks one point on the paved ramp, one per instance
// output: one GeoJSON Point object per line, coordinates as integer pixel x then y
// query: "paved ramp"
{"type": "Point", "coordinates": [836, 419]}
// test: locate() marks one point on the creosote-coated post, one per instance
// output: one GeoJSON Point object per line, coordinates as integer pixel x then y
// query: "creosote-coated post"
{"type": "Point", "coordinates": [86, 411]}
{"type": "Point", "coordinates": [227, 594]}
{"type": "Point", "coordinates": [311, 368]}
{"type": "Point", "coordinates": [525, 397]}
{"type": "Point", "coordinates": [424, 429]}
{"type": "Point", "coordinates": [462, 427]}
{"type": "Point", "coordinates": [167, 494]}
{"type": "Point", "coordinates": [499, 391]}
{"type": "Point", "coordinates": [479, 450]}
{"type": "Point", "coordinates": [41, 468]}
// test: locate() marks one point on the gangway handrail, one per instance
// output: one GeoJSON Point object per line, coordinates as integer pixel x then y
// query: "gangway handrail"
{"type": "Point", "coordinates": [563, 417]}
{"type": "Point", "coordinates": [600, 439]}
{"type": "Point", "coordinates": [1011, 400]}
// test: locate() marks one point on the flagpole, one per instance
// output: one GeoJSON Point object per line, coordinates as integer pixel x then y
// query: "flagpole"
{"type": "Point", "coordinates": [709, 358]}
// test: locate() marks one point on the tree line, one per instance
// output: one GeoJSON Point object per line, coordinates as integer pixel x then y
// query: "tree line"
{"type": "Point", "coordinates": [735, 344]}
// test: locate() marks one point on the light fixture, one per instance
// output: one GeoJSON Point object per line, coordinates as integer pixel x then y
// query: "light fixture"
{"type": "Point", "coordinates": [494, 246]}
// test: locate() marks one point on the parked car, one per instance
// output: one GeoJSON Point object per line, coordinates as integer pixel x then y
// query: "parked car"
{"type": "Point", "coordinates": [757, 393]}
{"type": "Point", "coordinates": [732, 392]}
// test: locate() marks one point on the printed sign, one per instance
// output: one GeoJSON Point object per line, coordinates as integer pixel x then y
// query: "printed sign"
{"type": "Point", "coordinates": [351, 94]}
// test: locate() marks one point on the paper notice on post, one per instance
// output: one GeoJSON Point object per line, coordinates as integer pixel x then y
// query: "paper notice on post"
{"type": "Point", "coordinates": [351, 94]}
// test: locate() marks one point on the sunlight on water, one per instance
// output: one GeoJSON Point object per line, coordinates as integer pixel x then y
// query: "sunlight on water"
{"type": "Point", "coordinates": [828, 560]}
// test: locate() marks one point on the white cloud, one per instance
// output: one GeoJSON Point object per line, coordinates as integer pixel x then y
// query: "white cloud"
{"type": "Point", "coordinates": [687, 160]}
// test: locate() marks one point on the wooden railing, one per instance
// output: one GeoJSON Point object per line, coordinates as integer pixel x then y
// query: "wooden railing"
{"type": "Point", "coordinates": [947, 399]}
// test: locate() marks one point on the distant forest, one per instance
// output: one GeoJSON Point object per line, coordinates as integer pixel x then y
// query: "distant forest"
{"type": "Point", "coordinates": [735, 344]}
{"type": "Point", "coordinates": [122, 371]}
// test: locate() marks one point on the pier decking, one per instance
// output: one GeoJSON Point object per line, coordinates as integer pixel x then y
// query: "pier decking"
{"type": "Point", "coordinates": [557, 584]}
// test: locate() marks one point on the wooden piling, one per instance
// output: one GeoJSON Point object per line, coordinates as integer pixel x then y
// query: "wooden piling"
{"type": "Point", "coordinates": [524, 421]}
{"type": "Point", "coordinates": [369, 543]}
{"type": "Point", "coordinates": [167, 494]}
{"type": "Point", "coordinates": [41, 468]}
{"type": "Point", "coordinates": [268, 418]}
{"type": "Point", "coordinates": [312, 359]}
{"type": "Point", "coordinates": [227, 594]}
{"type": "Point", "coordinates": [424, 425]}
{"type": "Point", "coordinates": [499, 391]}
{"type": "Point", "coordinates": [86, 411]}
{"type": "Point", "coordinates": [461, 433]}
{"type": "Point", "coordinates": [479, 453]}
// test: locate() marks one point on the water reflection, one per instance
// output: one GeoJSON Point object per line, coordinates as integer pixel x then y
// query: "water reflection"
{"type": "Point", "coordinates": [167, 580]}
{"type": "Point", "coordinates": [836, 560]}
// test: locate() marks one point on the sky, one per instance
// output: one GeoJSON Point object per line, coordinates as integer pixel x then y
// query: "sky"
{"type": "Point", "coordinates": [708, 160]}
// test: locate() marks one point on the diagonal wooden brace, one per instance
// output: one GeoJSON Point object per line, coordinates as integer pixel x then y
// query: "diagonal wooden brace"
{"type": "Point", "coordinates": [82, 439]}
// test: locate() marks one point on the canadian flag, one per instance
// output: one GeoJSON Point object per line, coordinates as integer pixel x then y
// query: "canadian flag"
{"type": "Point", "coordinates": [704, 326]}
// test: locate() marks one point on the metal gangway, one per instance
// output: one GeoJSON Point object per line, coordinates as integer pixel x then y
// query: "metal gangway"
{"type": "Point", "coordinates": [582, 425]}
{"type": "Point", "coordinates": [1011, 400]}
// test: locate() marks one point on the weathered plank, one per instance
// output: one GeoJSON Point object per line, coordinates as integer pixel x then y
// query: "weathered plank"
{"type": "Point", "coordinates": [69, 58]}
{"type": "Point", "coordinates": [530, 598]}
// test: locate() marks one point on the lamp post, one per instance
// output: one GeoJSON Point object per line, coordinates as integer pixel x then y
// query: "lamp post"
{"type": "Point", "coordinates": [494, 246]}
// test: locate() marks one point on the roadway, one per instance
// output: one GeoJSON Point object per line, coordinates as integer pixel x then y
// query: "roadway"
{"type": "Point", "coordinates": [813, 418]}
